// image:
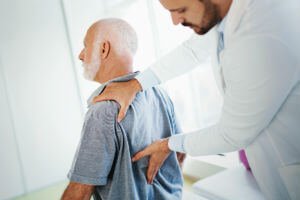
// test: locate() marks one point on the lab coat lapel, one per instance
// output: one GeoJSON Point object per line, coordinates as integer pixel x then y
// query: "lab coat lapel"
{"type": "Point", "coordinates": [234, 18]}
{"type": "Point", "coordinates": [216, 66]}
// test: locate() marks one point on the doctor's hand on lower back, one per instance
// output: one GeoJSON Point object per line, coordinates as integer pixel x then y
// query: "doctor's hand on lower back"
{"type": "Point", "coordinates": [122, 92]}
{"type": "Point", "coordinates": [158, 152]}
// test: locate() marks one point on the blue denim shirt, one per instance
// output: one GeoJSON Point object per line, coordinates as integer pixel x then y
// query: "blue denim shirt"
{"type": "Point", "coordinates": [103, 157]}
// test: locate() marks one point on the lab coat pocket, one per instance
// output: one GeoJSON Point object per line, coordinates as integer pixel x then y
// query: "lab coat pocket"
{"type": "Point", "coordinates": [291, 177]}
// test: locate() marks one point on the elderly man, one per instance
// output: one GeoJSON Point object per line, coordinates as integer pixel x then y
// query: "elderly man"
{"type": "Point", "coordinates": [102, 166]}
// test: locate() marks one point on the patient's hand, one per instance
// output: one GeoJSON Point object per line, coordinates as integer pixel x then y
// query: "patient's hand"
{"type": "Point", "coordinates": [122, 92]}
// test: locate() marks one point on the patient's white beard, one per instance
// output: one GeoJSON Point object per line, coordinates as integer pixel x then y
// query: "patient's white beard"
{"type": "Point", "coordinates": [91, 69]}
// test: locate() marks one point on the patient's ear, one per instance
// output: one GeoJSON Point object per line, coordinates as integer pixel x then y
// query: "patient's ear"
{"type": "Point", "coordinates": [105, 49]}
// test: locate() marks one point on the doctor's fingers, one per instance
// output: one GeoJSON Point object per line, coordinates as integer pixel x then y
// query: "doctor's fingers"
{"type": "Point", "coordinates": [141, 154]}
{"type": "Point", "coordinates": [156, 160]}
{"type": "Point", "coordinates": [106, 95]}
{"type": "Point", "coordinates": [114, 92]}
{"type": "Point", "coordinates": [123, 106]}
{"type": "Point", "coordinates": [122, 112]}
{"type": "Point", "coordinates": [152, 150]}
{"type": "Point", "coordinates": [152, 170]}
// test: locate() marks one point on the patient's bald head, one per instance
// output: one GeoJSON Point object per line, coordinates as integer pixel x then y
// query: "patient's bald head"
{"type": "Point", "coordinates": [109, 47]}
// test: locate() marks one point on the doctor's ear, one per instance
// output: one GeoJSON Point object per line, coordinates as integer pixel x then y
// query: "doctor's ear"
{"type": "Point", "coordinates": [105, 49]}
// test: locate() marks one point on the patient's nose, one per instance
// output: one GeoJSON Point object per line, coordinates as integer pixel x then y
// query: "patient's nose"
{"type": "Point", "coordinates": [81, 55]}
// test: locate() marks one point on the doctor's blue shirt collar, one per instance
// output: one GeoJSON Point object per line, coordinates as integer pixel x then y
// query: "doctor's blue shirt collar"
{"type": "Point", "coordinates": [221, 25]}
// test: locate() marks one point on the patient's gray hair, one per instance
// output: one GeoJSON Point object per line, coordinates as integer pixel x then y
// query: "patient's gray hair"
{"type": "Point", "coordinates": [119, 33]}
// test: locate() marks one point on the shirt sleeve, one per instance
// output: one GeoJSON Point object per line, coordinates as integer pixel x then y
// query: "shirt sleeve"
{"type": "Point", "coordinates": [190, 54]}
{"type": "Point", "coordinates": [175, 122]}
{"type": "Point", "coordinates": [176, 127]}
{"type": "Point", "coordinates": [148, 79]}
{"type": "Point", "coordinates": [175, 143]}
{"type": "Point", "coordinates": [97, 148]}
{"type": "Point", "coordinates": [259, 74]}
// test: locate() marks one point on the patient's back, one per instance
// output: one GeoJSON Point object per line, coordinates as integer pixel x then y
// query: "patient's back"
{"type": "Point", "coordinates": [103, 157]}
{"type": "Point", "coordinates": [150, 117]}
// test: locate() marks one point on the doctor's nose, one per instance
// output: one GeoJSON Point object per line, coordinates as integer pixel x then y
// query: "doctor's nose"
{"type": "Point", "coordinates": [176, 18]}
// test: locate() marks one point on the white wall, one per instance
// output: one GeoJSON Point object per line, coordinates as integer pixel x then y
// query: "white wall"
{"type": "Point", "coordinates": [41, 111]}
{"type": "Point", "coordinates": [11, 181]}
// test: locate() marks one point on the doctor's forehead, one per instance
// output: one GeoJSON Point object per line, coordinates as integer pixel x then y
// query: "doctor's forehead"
{"type": "Point", "coordinates": [173, 5]}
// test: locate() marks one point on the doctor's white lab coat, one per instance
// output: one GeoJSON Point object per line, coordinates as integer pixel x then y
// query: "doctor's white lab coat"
{"type": "Point", "coordinates": [259, 75]}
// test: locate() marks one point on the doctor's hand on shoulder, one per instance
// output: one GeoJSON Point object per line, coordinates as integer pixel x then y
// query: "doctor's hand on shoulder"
{"type": "Point", "coordinates": [121, 92]}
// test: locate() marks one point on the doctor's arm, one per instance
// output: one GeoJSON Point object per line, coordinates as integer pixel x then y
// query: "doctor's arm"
{"type": "Point", "coordinates": [184, 58]}
{"type": "Point", "coordinates": [259, 75]}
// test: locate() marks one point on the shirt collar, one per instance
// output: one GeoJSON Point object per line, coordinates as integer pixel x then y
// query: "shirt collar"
{"type": "Point", "coordinates": [99, 90]}
{"type": "Point", "coordinates": [222, 24]}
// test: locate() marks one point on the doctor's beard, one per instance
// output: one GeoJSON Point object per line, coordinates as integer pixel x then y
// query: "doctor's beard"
{"type": "Point", "coordinates": [211, 18]}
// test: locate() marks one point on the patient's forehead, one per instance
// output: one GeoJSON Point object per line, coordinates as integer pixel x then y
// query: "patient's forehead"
{"type": "Point", "coordinates": [89, 36]}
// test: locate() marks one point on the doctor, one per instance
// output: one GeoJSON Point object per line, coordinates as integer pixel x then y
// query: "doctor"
{"type": "Point", "coordinates": [255, 46]}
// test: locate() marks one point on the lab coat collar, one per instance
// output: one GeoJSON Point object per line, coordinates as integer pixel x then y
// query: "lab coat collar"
{"type": "Point", "coordinates": [235, 15]}
{"type": "Point", "coordinates": [222, 24]}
